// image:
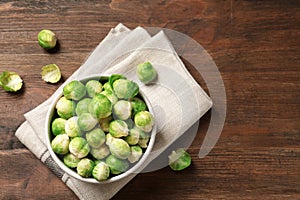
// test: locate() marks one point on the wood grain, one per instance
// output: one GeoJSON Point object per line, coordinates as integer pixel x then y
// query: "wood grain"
{"type": "Point", "coordinates": [255, 45]}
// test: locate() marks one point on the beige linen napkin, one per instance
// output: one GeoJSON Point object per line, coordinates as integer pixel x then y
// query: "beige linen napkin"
{"type": "Point", "coordinates": [178, 101]}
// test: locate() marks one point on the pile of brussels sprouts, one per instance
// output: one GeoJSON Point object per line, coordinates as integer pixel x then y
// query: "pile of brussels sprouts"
{"type": "Point", "coordinates": [101, 128]}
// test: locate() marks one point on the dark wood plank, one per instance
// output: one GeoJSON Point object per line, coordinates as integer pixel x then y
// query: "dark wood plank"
{"type": "Point", "coordinates": [255, 45]}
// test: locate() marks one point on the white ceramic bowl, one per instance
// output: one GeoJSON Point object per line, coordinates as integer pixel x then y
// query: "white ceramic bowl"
{"type": "Point", "coordinates": [134, 169]}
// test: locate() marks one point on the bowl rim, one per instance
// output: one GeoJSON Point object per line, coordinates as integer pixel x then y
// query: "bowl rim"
{"type": "Point", "coordinates": [59, 162]}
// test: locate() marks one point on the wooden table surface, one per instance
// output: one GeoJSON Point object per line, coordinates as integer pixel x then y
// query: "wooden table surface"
{"type": "Point", "coordinates": [256, 46]}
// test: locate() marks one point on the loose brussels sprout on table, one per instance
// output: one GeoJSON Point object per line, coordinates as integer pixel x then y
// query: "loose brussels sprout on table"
{"type": "Point", "coordinates": [51, 73]}
{"type": "Point", "coordinates": [179, 159]}
{"type": "Point", "coordinates": [101, 128]}
{"type": "Point", "coordinates": [10, 81]}
{"type": "Point", "coordinates": [47, 39]}
{"type": "Point", "coordinates": [145, 72]}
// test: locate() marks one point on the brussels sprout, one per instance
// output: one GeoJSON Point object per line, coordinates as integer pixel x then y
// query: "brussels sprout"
{"type": "Point", "coordinates": [72, 128]}
{"type": "Point", "coordinates": [122, 109]}
{"type": "Point", "coordinates": [125, 89]}
{"type": "Point", "coordinates": [65, 108]}
{"type": "Point", "coordinates": [74, 90]}
{"type": "Point", "coordinates": [101, 171]}
{"type": "Point", "coordinates": [107, 87]}
{"type": "Point", "coordinates": [118, 128]}
{"type": "Point", "coordinates": [136, 154]}
{"type": "Point", "coordinates": [144, 139]}
{"type": "Point", "coordinates": [116, 165]}
{"type": "Point", "coordinates": [85, 167]}
{"type": "Point", "coordinates": [60, 144]}
{"type": "Point", "coordinates": [138, 105]}
{"type": "Point", "coordinates": [93, 87]}
{"type": "Point", "coordinates": [47, 39]}
{"type": "Point", "coordinates": [58, 126]}
{"type": "Point", "coordinates": [95, 138]}
{"type": "Point", "coordinates": [118, 147]}
{"type": "Point", "coordinates": [134, 136]}
{"type": "Point", "coordinates": [70, 160]}
{"type": "Point", "coordinates": [87, 122]}
{"type": "Point", "coordinates": [144, 121]}
{"type": "Point", "coordinates": [51, 73]}
{"type": "Point", "coordinates": [83, 106]}
{"type": "Point", "coordinates": [145, 72]}
{"type": "Point", "coordinates": [115, 77]}
{"type": "Point", "coordinates": [111, 96]}
{"type": "Point", "coordinates": [10, 81]}
{"type": "Point", "coordinates": [101, 152]}
{"type": "Point", "coordinates": [100, 106]}
{"type": "Point", "coordinates": [179, 159]}
{"type": "Point", "coordinates": [104, 123]}
{"type": "Point", "coordinates": [79, 147]}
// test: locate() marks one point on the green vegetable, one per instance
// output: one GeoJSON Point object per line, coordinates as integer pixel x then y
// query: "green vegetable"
{"type": "Point", "coordinates": [107, 87]}
{"type": "Point", "coordinates": [65, 108]}
{"type": "Point", "coordinates": [93, 87]}
{"type": "Point", "coordinates": [85, 167]}
{"type": "Point", "coordinates": [116, 165]}
{"type": "Point", "coordinates": [74, 90]}
{"type": "Point", "coordinates": [70, 160]}
{"type": "Point", "coordinates": [86, 121]}
{"type": "Point", "coordinates": [136, 154]}
{"type": "Point", "coordinates": [101, 152]}
{"type": "Point", "coordinates": [110, 95]}
{"type": "Point", "coordinates": [58, 126]}
{"type": "Point", "coordinates": [101, 171]}
{"type": "Point", "coordinates": [179, 159]}
{"type": "Point", "coordinates": [10, 81]}
{"type": "Point", "coordinates": [125, 89]}
{"type": "Point", "coordinates": [122, 109]}
{"type": "Point", "coordinates": [118, 128]}
{"type": "Point", "coordinates": [95, 138]}
{"type": "Point", "coordinates": [47, 39]}
{"type": "Point", "coordinates": [72, 128]}
{"type": "Point", "coordinates": [83, 106]}
{"type": "Point", "coordinates": [118, 147]}
{"type": "Point", "coordinates": [104, 123]}
{"type": "Point", "coordinates": [144, 121]}
{"type": "Point", "coordinates": [79, 147]}
{"type": "Point", "coordinates": [145, 72]}
{"type": "Point", "coordinates": [115, 77]}
{"type": "Point", "coordinates": [101, 128]}
{"type": "Point", "coordinates": [100, 106]}
{"type": "Point", "coordinates": [134, 136]}
{"type": "Point", "coordinates": [138, 105]}
{"type": "Point", "coordinates": [144, 139]}
{"type": "Point", "coordinates": [60, 144]}
{"type": "Point", "coordinates": [51, 73]}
